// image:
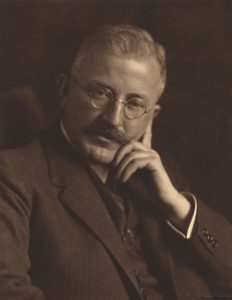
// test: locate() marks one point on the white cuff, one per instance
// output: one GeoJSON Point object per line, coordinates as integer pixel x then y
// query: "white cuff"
{"type": "Point", "coordinates": [192, 199]}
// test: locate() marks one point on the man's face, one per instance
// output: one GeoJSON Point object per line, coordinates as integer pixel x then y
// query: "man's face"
{"type": "Point", "coordinates": [99, 133]}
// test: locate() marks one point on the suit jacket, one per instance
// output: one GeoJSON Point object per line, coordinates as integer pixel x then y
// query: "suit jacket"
{"type": "Point", "coordinates": [58, 241]}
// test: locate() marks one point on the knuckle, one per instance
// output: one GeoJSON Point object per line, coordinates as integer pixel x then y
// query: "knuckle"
{"type": "Point", "coordinates": [133, 143]}
{"type": "Point", "coordinates": [155, 154]}
{"type": "Point", "coordinates": [133, 155]}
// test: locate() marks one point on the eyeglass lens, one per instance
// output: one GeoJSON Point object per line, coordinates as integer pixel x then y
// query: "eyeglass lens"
{"type": "Point", "coordinates": [102, 98]}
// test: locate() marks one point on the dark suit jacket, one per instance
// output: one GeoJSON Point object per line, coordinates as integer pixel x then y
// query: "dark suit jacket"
{"type": "Point", "coordinates": [58, 241]}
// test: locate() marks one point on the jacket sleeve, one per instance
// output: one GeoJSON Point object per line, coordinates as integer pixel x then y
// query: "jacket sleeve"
{"type": "Point", "coordinates": [209, 250]}
{"type": "Point", "coordinates": [212, 242]}
{"type": "Point", "coordinates": [15, 281]}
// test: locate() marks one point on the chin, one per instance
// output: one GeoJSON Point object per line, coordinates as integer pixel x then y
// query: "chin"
{"type": "Point", "coordinates": [101, 155]}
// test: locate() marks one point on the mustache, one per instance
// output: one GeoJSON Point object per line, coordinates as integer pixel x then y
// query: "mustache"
{"type": "Point", "coordinates": [108, 131]}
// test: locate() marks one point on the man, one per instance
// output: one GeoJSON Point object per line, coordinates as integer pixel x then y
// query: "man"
{"type": "Point", "coordinates": [88, 210]}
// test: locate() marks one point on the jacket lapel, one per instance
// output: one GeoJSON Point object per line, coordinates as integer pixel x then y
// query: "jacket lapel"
{"type": "Point", "coordinates": [83, 199]}
{"type": "Point", "coordinates": [79, 195]}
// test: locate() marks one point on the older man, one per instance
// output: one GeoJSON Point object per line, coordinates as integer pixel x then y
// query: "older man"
{"type": "Point", "coordinates": [88, 210]}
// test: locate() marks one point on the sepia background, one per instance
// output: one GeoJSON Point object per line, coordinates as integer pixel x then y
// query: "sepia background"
{"type": "Point", "coordinates": [38, 39]}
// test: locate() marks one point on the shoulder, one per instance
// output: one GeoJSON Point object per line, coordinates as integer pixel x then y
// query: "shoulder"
{"type": "Point", "coordinates": [21, 167]}
{"type": "Point", "coordinates": [21, 154]}
{"type": "Point", "coordinates": [17, 159]}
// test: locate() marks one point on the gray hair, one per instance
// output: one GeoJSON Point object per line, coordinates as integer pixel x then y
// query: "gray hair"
{"type": "Point", "coordinates": [123, 40]}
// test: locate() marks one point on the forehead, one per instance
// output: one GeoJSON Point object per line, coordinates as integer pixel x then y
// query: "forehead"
{"type": "Point", "coordinates": [118, 69]}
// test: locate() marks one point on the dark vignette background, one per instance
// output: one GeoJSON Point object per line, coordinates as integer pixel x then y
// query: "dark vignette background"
{"type": "Point", "coordinates": [38, 40]}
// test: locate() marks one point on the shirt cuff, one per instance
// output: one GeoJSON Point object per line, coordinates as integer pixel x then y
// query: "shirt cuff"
{"type": "Point", "coordinates": [188, 234]}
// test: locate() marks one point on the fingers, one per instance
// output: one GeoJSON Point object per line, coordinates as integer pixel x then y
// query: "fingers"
{"type": "Point", "coordinates": [147, 137]}
{"type": "Point", "coordinates": [132, 167]}
{"type": "Point", "coordinates": [132, 146]}
{"type": "Point", "coordinates": [130, 159]}
{"type": "Point", "coordinates": [134, 156]}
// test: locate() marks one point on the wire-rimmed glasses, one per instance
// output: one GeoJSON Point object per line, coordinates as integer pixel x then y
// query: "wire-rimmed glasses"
{"type": "Point", "coordinates": [102, 98]}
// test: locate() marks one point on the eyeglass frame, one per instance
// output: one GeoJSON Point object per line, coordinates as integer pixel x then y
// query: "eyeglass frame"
{"type": "Point", "coordinates": [112, 101]}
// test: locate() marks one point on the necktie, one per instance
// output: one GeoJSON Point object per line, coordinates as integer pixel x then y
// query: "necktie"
{"type": "Point", "coordinates": [116, 205]}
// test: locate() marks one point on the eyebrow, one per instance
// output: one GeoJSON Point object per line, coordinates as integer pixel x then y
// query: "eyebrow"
{"type": "Point", "coordinates": [99, 83]}
{"type": "Point", "coordinates": [104, 85]}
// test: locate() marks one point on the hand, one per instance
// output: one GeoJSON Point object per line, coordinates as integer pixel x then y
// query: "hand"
{"type": "Point", "coordinates": [138, 155]}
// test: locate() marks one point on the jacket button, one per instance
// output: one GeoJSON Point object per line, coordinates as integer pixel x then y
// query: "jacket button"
{"type": "Point", "coordinates": [210, 238]}
{"type": "Point", "coordinates": [214, 244]}
{"type": "Point", "coordinates": [123, 237]}
{"type": "Point", "coordinates": [136, 273]}
{"type": "Point", "coordinates": [129, 232]}
{"type": "Point", "coordinates": [205, 231]}
{"type": "Point", "coordinates": [142, 292]}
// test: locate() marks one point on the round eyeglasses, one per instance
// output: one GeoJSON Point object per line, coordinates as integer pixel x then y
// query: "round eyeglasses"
{"type": "Point", "coordinates": [102, 98]}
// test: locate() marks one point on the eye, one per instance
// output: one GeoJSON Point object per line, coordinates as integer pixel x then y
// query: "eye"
{"type": "Point", "coordinates": [135, 103]}
{"type": "Point", "coordinates": [100, 93]}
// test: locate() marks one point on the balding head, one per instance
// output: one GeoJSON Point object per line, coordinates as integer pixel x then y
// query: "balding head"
{"type": "Point", "coordinates": [123, 41]}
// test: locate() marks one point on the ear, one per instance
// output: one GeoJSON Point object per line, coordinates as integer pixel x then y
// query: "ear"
{"type": "Point", "coordinates": [62, 83]}
{"type": "Point", "coordinates": [156, 111]}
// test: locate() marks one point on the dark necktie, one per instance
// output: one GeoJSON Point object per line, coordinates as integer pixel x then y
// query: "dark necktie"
{"type": "Point", "coordinates": [116, 205]}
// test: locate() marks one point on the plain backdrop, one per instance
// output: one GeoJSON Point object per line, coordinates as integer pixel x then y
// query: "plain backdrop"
{"type": "Point", "coordinates": [39, 38]}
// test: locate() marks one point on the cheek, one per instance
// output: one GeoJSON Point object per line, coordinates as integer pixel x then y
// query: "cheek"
{"type": "Point", "coordinates": [136, 128]}
{"type": "Point", "coordinates": [79, 114]}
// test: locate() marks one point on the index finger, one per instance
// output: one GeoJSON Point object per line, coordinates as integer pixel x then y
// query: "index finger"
{"type": "Point", "coordinates": [147, 137]}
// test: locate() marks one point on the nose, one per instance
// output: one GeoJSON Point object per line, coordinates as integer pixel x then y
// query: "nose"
{"type": "Point", "coordinates": [114, 113]}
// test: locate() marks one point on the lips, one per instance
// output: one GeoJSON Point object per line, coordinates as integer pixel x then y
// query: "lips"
{"type": "Point", "coordinates": [104, 141]}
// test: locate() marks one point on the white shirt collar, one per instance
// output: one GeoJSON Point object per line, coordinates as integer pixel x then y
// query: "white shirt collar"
{"type": "Point", "coordinates": [63, 130]}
